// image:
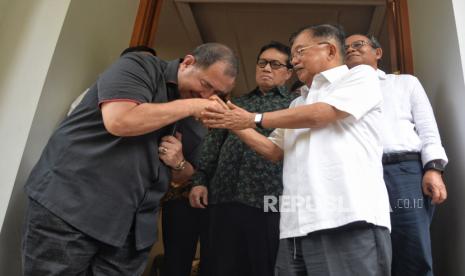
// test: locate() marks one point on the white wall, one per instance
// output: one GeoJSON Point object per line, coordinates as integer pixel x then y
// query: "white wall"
{"type": "Point", "coordinates": [87, 40]}
{"type": "Point", "coordinates": [29, 32]}
{"type": "Point", "coordinates": [459, 8]}
{"type": "Point", "coordinates": [439, 65]}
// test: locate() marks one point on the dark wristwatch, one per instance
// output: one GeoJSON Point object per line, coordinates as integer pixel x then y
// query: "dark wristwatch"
{"type": "Point", "coordinates": [434, 165]}
{"type": "Point", "coordinates": [258, 120]}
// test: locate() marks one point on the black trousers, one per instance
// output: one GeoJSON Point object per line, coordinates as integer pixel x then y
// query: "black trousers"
{"type": "Point", "coordinates": [244, 240]}
{"type": "Point", "coordinates": [53, 247]}
{"type": "Point", "coordinates": [183, 226]}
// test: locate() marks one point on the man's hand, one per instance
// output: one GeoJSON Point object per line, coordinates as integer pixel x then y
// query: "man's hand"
{"type": "Point", "coordinates": [198, 197]}
{"type": "Point", "coordinates": [170, 150]}
{"type": "Point", "coordinates": [433, 186]}
{"type": "Point", "coordinates": [234, 118]}
{"type": "Point", "coordinates": [221, 103]}
{"type": "Point", "coordinates": [200, 105]}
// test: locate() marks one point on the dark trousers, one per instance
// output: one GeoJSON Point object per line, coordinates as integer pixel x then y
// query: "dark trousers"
{"type": "Point", "coordinates": [244, 240]}
{"type": "Point", "coordinates": [410, 219]}
{"type": "Point", "coordinates": [53, 247]}
{"type": "Point", "coordinates": [359, 249]}
{"type": "Point", "coordinates": [183, 226]}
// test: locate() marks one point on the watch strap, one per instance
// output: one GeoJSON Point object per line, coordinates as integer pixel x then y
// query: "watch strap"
{"type": "Point", "coordinates": [258, 120]}
{"type": "Point", "coordinates": [434, 165]}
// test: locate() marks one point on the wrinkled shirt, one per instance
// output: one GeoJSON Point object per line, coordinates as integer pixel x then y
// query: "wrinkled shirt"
{"type": "Point", "coordinates": [333, 175]}
{"type": "Point", "coordinates": [408, 119]}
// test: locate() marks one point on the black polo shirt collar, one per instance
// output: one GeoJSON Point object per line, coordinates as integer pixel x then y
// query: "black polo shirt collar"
{"type": "Point", "coordinates": [171, 75]}
{"type": "Point", "coordinates": [171, 72]}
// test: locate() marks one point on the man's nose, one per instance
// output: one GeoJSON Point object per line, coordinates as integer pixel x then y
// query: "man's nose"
{"type": "Point", "coordinates": [206, 93]}
{"type": "Point", "coordinates": [350, 49]}
{"type": "Point", "coordinates": [294, 60]}
{"type": "Point", "coordinates": [267, 67]}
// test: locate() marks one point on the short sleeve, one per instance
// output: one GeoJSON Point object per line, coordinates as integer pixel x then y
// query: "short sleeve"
{"type": "Point", "coordinates": [127, 79]}
{"type": "Point", "coordinates": [277, 137]}
{"type": "Point", "coordinates": [356, 93]}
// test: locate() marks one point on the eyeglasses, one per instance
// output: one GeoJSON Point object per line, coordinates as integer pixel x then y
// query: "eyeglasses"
{"type": "Point", "coordinates": [300, 52]}
{"type": "Point", "coordinates": [356, 45]}
{"type": "Point", "coordinates": [274, 64]}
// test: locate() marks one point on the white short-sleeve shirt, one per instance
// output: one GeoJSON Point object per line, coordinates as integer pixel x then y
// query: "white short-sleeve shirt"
{"type": "Point", "coordinates": [333, 175]}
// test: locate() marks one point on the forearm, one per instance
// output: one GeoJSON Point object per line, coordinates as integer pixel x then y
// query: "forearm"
{"type": "Point", "coordinates": [261, 144]}
{"type": "Point", "coordinates": [306, 116]}
{"type": "Point", "coordinates": [199, 179]}
{"type": "Point", "coordinates": [181, 177]}
{"type": "Point", "coordinates": [147, 117]}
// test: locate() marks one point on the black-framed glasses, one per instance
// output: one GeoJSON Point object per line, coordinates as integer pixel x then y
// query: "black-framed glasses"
{"type": "Point", "coordinates": [274, 64]}
{"type": "Point", "coordinates": [356, 45]}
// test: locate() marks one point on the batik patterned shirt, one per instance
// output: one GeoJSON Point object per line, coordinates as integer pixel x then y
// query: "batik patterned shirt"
{"type": "Point", "coordinates": [231, 170]}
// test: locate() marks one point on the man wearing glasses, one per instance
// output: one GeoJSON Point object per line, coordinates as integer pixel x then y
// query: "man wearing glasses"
{"type": "Point", "coordinates": [335, 208]}
{"type": "Point", "coordinates": [232, 179]}
{"type": "Point", "coordinates": [413, 160]}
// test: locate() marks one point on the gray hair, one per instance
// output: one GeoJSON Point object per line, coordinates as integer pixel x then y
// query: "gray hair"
{"type": "Point", "coordinates": [374, 42]}
{"type": "Point", "coordinates": [326, 31]}
{"type": "Point", "coordinates": [209, 53]}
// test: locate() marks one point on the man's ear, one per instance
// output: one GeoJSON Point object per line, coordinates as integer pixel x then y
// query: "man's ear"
{"type": "Point", "coordinates": [187, 61]}
{"type": "Point", "coordinates": [379, 53]}
{"type": "Point", "coordinates": [332, 51]}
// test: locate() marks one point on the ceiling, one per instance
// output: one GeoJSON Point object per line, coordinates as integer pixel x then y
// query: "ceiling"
{"type": "Point", "coordinates": [245, 26]}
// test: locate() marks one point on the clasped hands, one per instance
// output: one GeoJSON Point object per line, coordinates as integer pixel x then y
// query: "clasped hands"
{"type": "Point", "coordinates": [213, 113]}
{"type": "Point", "coordinates": [170, 150]}
{"type": "Point", "coordinates": [226, 115]}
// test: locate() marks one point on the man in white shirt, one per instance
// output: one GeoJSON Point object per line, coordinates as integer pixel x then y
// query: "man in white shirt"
{"type": "Point", "coordinates": [334, 208]}
{"type": "Point", "coordinates": [413, 159]}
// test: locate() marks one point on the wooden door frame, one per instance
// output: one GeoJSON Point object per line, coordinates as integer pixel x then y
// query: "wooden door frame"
{"type": "Point", "coordinates": [146, 23]}
{"type": "Point", "coordinates": [149, 11]}
{"type": "Point", "coordinates": [399, 36]}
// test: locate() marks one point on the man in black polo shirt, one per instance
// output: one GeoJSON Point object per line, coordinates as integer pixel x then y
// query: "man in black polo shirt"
{"type": "Point", "coordinates": [95, 191]}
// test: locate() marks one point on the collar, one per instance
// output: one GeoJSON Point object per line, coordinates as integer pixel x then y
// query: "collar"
{"type": "Point", "coordinates": [282, 90]}
{"type": "Point", "coordinates": [381, 74]}
{"type": "Point", "coordinates": [335, 73]}
{"type": "Point", "coordinates": [304, 91]}
{"type": "Point", "coordinates": [171, 77]}
{"type": "Point", "coordinates": [171, 71]}
{"type": "Point", "coordinates": [330, 75]}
